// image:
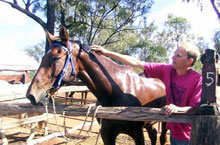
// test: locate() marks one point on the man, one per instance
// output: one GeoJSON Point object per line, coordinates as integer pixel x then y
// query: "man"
{"type": "Point", "coordinates": [183, 85]}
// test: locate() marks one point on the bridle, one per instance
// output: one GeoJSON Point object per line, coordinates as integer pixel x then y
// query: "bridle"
{"type": "Point", "coordinates": [59, 78]}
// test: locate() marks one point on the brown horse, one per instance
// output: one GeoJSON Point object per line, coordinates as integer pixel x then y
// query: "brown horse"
{"type": "Point", "coordinates": [112, 84]}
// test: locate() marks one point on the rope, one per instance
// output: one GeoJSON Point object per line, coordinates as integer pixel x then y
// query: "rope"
{"type": "Point", "coordinates": [87, 114]}
{"type": "Point", "coordinates": [90, 128]}
{"type": "Point", "coordinates": [54, 112]}
{"type": "Point", "coordinates": [100, 126]}
{"type": "Point", "coordinates": [68, 139]}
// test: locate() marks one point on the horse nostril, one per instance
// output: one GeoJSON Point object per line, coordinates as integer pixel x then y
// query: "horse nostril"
{"type": "Point", "coordinates": [32, 99]}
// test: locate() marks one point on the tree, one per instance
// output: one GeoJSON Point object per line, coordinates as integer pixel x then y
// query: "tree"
{"type": "Point", "coordinates": [146, 48]}
{"type": "Point", "coordinates": [36, 51]}
{"type": "Point", "coordinates": [178, 28]}
{"type": "Point", "coordinates": [87, 20]}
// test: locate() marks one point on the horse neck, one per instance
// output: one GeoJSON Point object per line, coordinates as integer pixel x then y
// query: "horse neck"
{"type": "Point", "coordinates": [101, 75]}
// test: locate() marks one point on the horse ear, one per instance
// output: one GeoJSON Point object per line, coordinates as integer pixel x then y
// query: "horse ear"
{"type": "Point", "coordinates": [64, 35]}
{"type": "Point", "coordinates": [50, 37]}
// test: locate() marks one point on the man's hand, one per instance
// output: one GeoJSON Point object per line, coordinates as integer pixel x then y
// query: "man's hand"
{"type": "Point", "coordinates": [170, 109]}
{"type": "Point", "coordinates": [99, 49]}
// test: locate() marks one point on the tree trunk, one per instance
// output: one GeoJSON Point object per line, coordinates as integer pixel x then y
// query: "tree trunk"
{"type": "Point", "coordinates": [50, 20]}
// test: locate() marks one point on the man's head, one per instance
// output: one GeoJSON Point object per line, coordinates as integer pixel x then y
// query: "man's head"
{"type": "Point", "coordinates": [185, 56]}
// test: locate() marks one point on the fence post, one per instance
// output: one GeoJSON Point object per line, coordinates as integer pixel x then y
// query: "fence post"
{"type": "Point", "coordinates": [206, 127]}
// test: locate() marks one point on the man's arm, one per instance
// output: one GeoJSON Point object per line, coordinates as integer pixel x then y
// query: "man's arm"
{"type": "Point", "coordinates": [125, 59]}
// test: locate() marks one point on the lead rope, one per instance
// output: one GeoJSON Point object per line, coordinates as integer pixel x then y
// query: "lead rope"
{"type": "Point", "coordinates": [100, 126]}
{"type": "Point", "coordinates": [65, 130]}
{"type": "Point", "coordinates": [90, 128]}
{"type": "Point", "coordinates": [54, 113]}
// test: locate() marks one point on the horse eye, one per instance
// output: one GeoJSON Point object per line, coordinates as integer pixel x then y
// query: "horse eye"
{"type": "Point", "coordinates": [55, 58]}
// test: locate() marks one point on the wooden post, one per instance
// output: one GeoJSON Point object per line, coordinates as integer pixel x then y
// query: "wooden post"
{"type": "Point", "coordinates": [205, 130]}
{"type": "Point", "coordinates": [209, 75]}
{"type": "Point", "coordinates": [206, 127]}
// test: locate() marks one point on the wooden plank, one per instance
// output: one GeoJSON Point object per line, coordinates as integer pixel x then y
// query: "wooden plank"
{"type": "Point", "coordinates": [11, 73]}
{"type": "Point", "coordinates": [13, 99]}
{"type": "Point", "coordinates": [19, 122]}
{"type": "Point", "coordinates": [115, 113]}
{"type": "Point", "coordinates": [11, 67]}
{"type": "Point", "coordinates": [19, 92]}
{"type": "Point", "coordinates": [73, 89]}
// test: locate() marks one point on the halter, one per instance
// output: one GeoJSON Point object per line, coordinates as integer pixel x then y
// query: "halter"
{"type": "Point", "coordinates": [82, 46]}
{"type": "Point", "coordinates": [59, 79]}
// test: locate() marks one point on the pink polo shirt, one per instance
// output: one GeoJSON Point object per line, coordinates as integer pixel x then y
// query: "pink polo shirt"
{"type": "Point", "coordinates": [181, 90]}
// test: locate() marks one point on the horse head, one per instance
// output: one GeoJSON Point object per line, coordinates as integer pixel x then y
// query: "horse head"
{"type": "Point", "coordinates": [57, 66]}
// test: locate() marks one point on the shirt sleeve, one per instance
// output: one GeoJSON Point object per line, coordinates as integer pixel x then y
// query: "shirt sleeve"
{"type": "Point", "coordinates": [154, 70]}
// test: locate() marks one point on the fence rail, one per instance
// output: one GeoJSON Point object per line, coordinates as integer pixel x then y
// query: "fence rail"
{"type": "Point", "coordinates": [115, 113]}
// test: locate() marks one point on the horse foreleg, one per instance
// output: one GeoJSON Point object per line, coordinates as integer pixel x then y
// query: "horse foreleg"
{"type": "Point", "coordinates": [32, 133]}
{"type": "Point", "coordinates": [71, 96]}
{"type": "Point", "coordinates": [45, 128]}
{"type": "Point", "coordinates": [138, 136]}
{"type": "Point", "coordinates": [66, 97]}
{"type": "Point", "coordinates": [163, 136]}
{"type": "Point", "coordinates": [152, 132]}
{"type": "Point", "coordinates": [85, 97]}
{"type": "Point", "coordinates": [108, 133]}
{"type": "Point", "coordinates": [42, 125]}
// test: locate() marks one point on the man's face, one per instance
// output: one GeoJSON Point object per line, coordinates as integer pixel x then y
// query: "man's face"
{"type": "Point", "coordinates": [180, 59]}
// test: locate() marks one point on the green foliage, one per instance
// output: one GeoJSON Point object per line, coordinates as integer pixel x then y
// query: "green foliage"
{"type": "Point", "coordinates": [198, 67]}
{"type": "Point", "coordinates": [177, 29]}
{"type": "Point", "coordinates": [86, 19]}
{"type": "Point", "coordinates": [36, 51]}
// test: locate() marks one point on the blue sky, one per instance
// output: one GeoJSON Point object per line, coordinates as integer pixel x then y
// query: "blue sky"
{"type": "Point", "coordinates": [17, 31]}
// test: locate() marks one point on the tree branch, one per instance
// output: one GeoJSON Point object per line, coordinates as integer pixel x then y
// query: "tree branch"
{"type": "Point", "coordinates": [26, 12]}
{"type": "Point", "coordinates": [215, 8]}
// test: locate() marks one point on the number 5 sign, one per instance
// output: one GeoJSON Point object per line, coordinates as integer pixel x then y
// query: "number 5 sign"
{"type": "Point", "coordinates": [209, 77]}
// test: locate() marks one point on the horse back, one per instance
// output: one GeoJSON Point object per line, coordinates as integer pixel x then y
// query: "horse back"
{"type": "Point", "coordinates": [145, 90]}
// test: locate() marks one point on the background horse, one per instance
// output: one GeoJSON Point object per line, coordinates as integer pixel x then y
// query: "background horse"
{"type": "Point", "coordinates": [112, 84]}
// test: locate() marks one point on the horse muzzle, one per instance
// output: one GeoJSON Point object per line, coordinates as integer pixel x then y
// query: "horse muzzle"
{"type": "Point", "coordinates": [45, 100]}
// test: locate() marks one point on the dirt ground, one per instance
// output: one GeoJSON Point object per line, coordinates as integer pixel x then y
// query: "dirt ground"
{"type": "Point", "coordinates": [19, 135]}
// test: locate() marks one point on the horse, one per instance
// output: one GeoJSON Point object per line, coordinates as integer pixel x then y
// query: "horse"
{"type": "Point", "coordinates": [111, 83]}
{"type": "Point", "coordinates": [13, 77]}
